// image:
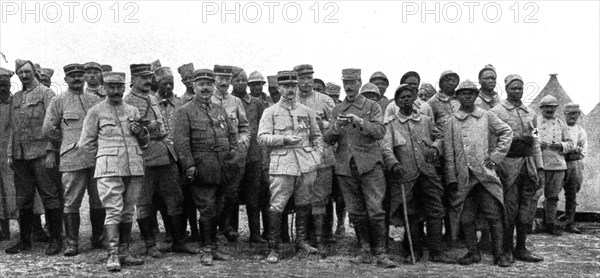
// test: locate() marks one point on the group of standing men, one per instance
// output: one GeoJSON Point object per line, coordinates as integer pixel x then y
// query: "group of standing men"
{"type": "Point", "coordinates": [458, 157]}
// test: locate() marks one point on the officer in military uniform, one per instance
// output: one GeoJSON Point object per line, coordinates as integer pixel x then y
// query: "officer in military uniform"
{"type": "Point", "coordinates": [206, 140]}
{"type": "Point", "coordinates": [521, 171]}
{"type": "Point", "coordinates": [357, 129]}
{"type": "Point", "coordinates": [292, 132]}
{"type": "Point", "coordinates": [62, 126]}
{"type": "Point", "coordinates": [32, 158]}
{"type": "Point", "coordinates": [161, 173]}
{"type": "Point", "coordinates": [93, 79]}
{"type": "Point", "coordinates": [228, 203]}
{"type": "Point", "coordinates": [322, 105]}
{"type": "Point", "coordinates": [113, 133]}
{"type": "Point", "coordinates": [186, 72]}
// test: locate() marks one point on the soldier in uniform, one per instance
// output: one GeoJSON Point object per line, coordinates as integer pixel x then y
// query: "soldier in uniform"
{"type": "Point", "coordinates": [319, 86]}
{"type": "Point", "coordinates": [256, 81]}
{"type": "Point", "coordinates": [412, 79]}
{"type": "Point", "coordinates": [93, 79]}
{"type": "Point", "coordinates": [161, 171]}
{"type": "Point", "coordinates": [113, 133]}
{"type": "Point", "coordinates": [574, 175]}
{"type": "Point", "coordinates": [46, 76]}
{"type": "Point", "coordinates": [411, 149]}
{"type": "Point", "coordinates": [333, 91]}
{"type": "Point", "coordinates": [227, 205]}
{"type": "Point", "coordinates": [252, 193]}
{"type": "Point", "coordinates": [443, 103]}
{"type": "Point", "coordinates": [291, 130]}
{"type": "Point", "coordinates": [381, 81]}
{"type": "Point", "coordinates": [32, 158]}
{"type": "Point", "coordinates": [520, 170]}
{"type": "Point", "coordinates": [554, 142]}
{"type": "Point", "coordinates": [475, 142]}
{"type": "Point", "coordinates": [8, 205]}
{"type": "Point", "coordinates": [274, 93]}
{"type": "Point", "coordinates": [426, 92]}
{"type": "Point", "coordinates": [62, 126]}
{"type": "Point", "coordinates": [488, 98]}
{"type": "Point", "coordinates": [186, 72]}
{"type": "Point", "coordinates": [322, 105]}
{"type": "Point", "coordinates": [357, 129]}
{"type": "Point", "coordinates": [205, 140]}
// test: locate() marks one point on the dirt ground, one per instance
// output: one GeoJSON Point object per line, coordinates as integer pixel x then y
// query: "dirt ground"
{"type": "Point", "coordinates": [567, 256]}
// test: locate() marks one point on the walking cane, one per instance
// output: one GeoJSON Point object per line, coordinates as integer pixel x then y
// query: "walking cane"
{"type": "Point", "coordinates": [406, 225]}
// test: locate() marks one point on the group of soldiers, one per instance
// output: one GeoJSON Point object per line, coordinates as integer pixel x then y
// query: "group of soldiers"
{"type": "Point", "coordinates": [459, 160]}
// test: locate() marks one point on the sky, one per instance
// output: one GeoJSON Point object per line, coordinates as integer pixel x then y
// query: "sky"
{"type": "Point", "coordinates": [533, 39]}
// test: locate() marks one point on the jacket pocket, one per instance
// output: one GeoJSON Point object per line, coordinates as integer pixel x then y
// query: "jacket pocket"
{"type": "Point", "coordinates": [66, 148]}
{"type": "Point", "coordinates": [315, 155]}
{"type": "Point", "coordinates": [107, 160]}
{"type": "Point", "coordinates": [108, 126]}
{"type": "Point", "coordinates": [197, 129]}
{"type": "Point", "coordinates": [275, 156]}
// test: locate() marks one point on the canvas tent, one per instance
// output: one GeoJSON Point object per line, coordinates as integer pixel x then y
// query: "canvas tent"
{"type": "Point", "coordinates": [588, 198]}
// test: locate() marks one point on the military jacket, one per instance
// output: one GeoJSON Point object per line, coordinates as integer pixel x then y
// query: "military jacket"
{"type": "Point", "coordinates": [323, 106]}
{"type": "Point", "coordinates": [167, 109]}
{"type": "Point", "coordinates": [107, 135]}
{"type": "Point", "coordinates": [235, 111]}
{"type": "Point", "coordinates": [285, 119]}
{"type": "Point", "coordinates": [63, 124]}
{"type": "Point", "coordinates": [254, 108]}
{"type": "Point", "coordinates": [554, 131]}
{"type": "Point", "coordinates": [160, 149]}
{"type": "Point", "coordinates": [443, 107]}
{"type": "Point", "coordinates": [486, 102]}
{"type": "Point", "coordinates": [28, 111]}
{"type": "Point", "coordinates": [360, 142]}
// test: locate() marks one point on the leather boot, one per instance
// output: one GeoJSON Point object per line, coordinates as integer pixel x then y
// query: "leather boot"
{"type": "Point", "coordinates": [112, 247]}
{"type": "Point", "coordinates": [179, 245]}
{"type": "Point", "coordinates": [55, 223]}
{"type": "Point", "coordinates": [124, 240]}
{"type": "Point", "coordinates": [508, 245]}
{"type": "Point", "coordinates": [225, 222]}
{"type": "Point", "coordinates": [496, 231]}
{"type": "Point", "coordinates": [5, 230]}
{"type": "Point", "coordinates": [206, 226]}
{"type": "Point", "coordinates": [25, 229]}
{"type": "Point", "coordinates": [521, 253]}
{"type": "Point", "coordinates": [274, 233]}
{"type": "Point", "coordinates": [254, 224]}
{"type": "Point", "coordinates": [318, 224]}
{"type": "Point", "coordinates": [302, 218]}
{"type": "Point", "coordinates": [72, 234]}
{"type": "Point", "coordinates": [217, 255]}
{"type": "Point", "coordinates": [167, 224]}
{"type": "Point", "coordinates": [570, 209]}
{"type": "Point", "coordinates": [434, 238]}
{"type": "Point", "coordinates": [285, 228]}
{"type": "Point", "coordinates": [473, 256]}
{"type": "Point", "coordinates": [379, 231]}
{"type": "Point", "coordinates": [485, 242]}
{"type": "Point", "coordinates": [147, 232]}
{"type": "Point", "coordinates": [97, 217]}
{"type": "Point", "coordinates": [361, 230]}
{"type": "Point", "coordinates": [39, 235]}
{"type": "Point", "coordinates": [328, 224]}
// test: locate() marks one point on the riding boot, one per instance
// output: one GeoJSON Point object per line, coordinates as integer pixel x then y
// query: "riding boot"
{"type": "Point", "coordinates": [124, 240]}
{"type": "Point", "coordinates": [147, 232]}
{"type": "Point", "coordinates": [55, 223]}
{"type": "Point", "coordinates": [302, 219]}
{"type": "Point", "coordinates": [274, 233]}
{"type": "Point", "coordinates": [97, 217]}
{"type": "Point", "coordinates": [25, 230]}
{"type": "Point", "coordinates": [72, 221]}
{"type": "Point", "coordinates": [179, 245]}
{"type": "Point", "coordinates": [112, 247]}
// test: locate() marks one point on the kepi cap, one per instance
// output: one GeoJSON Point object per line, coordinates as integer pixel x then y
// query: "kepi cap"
{"type": "Point", "coordinates": [223, 70]}
{"type": "Point", "coordinates": [113, 77]}
{"type": "Point", "coordinates": [287, 77]}
{"type": "Point", "coordinates": [351, 74]}
{"type": "Point", "coordinates": [106, 68]}
{"type": "Point", "coordinates": [304, 69]}
{"type": "Point", "coordinates": [73, 68]}
{"type": "Point", "coordinates": [140, 69]}
{"type": "Point", "coordinates": [92, 65]}
{"type": "Point", "coordinates": [203, 74]}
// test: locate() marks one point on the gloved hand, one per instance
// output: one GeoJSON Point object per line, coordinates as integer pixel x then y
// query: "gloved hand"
{"type": "Point", "coordinates": [397, 170]}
